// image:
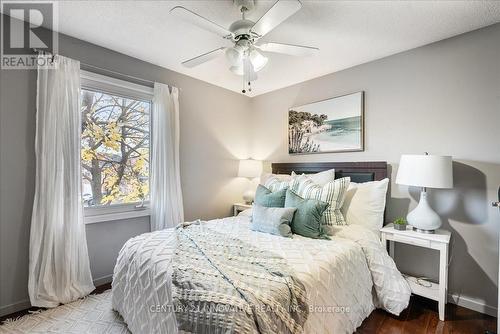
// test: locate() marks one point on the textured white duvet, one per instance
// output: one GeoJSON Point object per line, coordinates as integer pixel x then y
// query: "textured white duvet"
{"type": "Point", "coordinates": [345, 278]}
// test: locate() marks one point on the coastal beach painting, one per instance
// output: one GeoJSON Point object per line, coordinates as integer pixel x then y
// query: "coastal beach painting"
{"type": "Point", "coordinates": [333, 125]}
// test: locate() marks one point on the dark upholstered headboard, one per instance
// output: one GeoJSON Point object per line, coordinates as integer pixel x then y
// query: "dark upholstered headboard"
{"type": "Point", "coordinates": [358, 171]}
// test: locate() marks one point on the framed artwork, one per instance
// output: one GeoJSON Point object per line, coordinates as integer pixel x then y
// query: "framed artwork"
{"type": "Point", "coordinates": [333, 125]}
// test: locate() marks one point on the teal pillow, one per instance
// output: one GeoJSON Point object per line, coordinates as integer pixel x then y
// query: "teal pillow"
{"type": "Point", "coordinates": [269, 199]}
{"type": "Point", "coordinates": [307, 220]}
{"type": "Point", "coordinates": [272, 220]}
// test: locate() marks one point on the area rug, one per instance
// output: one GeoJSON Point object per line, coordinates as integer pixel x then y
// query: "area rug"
{"type": "Point", "coordinates": [92, 314]}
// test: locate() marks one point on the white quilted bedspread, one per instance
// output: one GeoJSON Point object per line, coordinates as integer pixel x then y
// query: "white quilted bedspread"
{"type": "Point", "coordinates": [345, 278]}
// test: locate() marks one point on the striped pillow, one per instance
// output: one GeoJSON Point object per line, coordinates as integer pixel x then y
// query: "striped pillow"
{"type": "Point", "coordinates": [274, 184]}
{"type": "Point", "coordinates": [297, 182]}
{"type": "Point", "coordinates": [332, 193]}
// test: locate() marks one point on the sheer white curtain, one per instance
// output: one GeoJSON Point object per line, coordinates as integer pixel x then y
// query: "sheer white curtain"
{"type": "Point", "coordinates": [166, 194]}
{"type": "Point", "coordinates": [59, 270]}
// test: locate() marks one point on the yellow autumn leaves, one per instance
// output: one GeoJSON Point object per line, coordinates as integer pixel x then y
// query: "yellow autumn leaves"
{"type": "Point", "coordinates": [110, 136]}
{"type": "Point", "coordinates": [115, 149]}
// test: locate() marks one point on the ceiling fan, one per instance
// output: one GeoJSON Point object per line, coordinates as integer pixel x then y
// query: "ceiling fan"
{"type": "Point", "coordinates": [245, 58]}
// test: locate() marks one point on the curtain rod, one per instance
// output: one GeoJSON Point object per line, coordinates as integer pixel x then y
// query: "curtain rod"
{"type": "Point", "coordinates": [86, 66]}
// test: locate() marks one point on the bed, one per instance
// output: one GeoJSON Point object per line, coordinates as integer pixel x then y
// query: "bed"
{"type": "Point", "coordinates": [344, 279]}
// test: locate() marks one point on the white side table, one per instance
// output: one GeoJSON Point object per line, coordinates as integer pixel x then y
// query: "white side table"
{"type": "Point", "coordinates": [238, 207]}
{"type": "Point", "coordinates": [440, 241]}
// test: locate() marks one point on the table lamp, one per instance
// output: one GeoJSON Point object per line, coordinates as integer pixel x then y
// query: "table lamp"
{"type": "Point", "coordinates": [250, 169]}
{"type": "Point", "coordinates": [426, 171]}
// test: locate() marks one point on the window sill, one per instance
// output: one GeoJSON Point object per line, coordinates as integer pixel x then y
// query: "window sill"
{"type": "Point", "coordinates": [106, 217]}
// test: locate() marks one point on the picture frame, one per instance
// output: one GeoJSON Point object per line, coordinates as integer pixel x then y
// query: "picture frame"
{"type": "Point", "coordinates": [333, 125]}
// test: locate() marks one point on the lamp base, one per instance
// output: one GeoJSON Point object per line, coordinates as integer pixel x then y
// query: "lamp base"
{"type": "Point", "coordinates": [423, 218]}
{"type": "Point", "coordinates": [423, 231]}
{"type": "Point", "coordinates": [248, 196]}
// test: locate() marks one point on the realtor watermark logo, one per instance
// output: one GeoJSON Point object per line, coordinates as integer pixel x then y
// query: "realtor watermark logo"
{"type": "Point", "coordinates": [27, 26]}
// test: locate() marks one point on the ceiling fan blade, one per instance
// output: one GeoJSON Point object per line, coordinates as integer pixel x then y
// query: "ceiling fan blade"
{"type": "Point", "coordinates": [289, 49]}
{"type": "Point", "coordinates": [278, 13]}
{"type": "Point", "coordinates": [203, 58]}
{"type": "Point", "coordinates": [200, 21]}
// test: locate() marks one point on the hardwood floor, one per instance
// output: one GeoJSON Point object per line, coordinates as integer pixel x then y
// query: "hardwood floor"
{"type": "Point", "coordinates": [421, 317]}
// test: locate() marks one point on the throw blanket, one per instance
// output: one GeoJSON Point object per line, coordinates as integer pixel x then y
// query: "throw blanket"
{"type": "Point", "coordinates": [221, 284]}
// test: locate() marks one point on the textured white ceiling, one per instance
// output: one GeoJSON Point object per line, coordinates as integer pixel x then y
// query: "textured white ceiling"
{"type": "Point", "coordinates": [347, 32]}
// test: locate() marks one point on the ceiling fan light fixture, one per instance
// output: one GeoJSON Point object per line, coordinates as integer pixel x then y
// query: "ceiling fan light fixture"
{"type": "Point", "coordinates": [249, 71]}
{"type": "Point", "coordinates": [258, 60]}
{"type": "Point", "coordinates": [234, 56]}
{"type": "Point", "coordinates": [244, 58]}
{"type": "Point", "coordinates": [238, 69]}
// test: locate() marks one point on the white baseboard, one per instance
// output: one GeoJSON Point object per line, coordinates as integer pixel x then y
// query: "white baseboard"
{"type": "Point", "coordinates": [103, 280]}
{"type": "Point", "coordinates": [14, 307]}
{"type": "Point", "coordinates": [472, 304]}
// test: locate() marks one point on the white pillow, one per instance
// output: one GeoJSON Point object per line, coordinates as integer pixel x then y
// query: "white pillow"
{"type": "Point", "coordinates": [281, 177]}
{"type": "Point", "coordinates": [274, 183]}
{"type": "Point", "coordinates": [320, 178]}
{"type": "Point", "coordinates": [364, 204]}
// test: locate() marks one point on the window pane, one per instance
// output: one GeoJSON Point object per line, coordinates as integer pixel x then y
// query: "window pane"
{"type": "Point", "coordinates": [115, 149]}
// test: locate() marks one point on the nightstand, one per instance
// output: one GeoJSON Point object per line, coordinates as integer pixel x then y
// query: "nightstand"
{"type": "Point", "coordinates": [440, 241]}
{"type": "Point", "coordinates": [238, 207]}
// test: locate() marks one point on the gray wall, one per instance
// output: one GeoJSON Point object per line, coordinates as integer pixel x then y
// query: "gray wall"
{"type": "Point", "coordinates": [214, 134]}
{"type": "Point", "coordinates": [443, 98]}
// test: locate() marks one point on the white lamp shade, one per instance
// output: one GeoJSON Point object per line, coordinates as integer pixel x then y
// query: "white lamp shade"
{"type": "Point", "coordinates": [234, 56]}
{"type": "Point", "coordinates": [430, 171]}
{"type": "Point", "coordinates": [250, 168]}
{"type": "Point", "coordinates": [258, 60]}
{"type": "Point", "coordinates": [238, 70]}
{"type": "Point", "coordinates": [237, 57]}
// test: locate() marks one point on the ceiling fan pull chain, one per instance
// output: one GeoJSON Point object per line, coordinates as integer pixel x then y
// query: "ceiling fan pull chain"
{"type": "Point", "coordinates": [246, 75]}
{"type": "Point", "coordinates": [243, 90]}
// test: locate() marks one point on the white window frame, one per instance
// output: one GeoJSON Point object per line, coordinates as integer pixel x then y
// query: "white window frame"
{"type": "Point", "coordinates": [102, 83]}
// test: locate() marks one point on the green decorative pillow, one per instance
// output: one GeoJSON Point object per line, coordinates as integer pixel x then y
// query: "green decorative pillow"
{"type": "Point", "coordinates": [332, 193]}
{"type": "Point", "coordinates": [272, 220]}
{"type": "Point", "coordinates": [308, 217]}
{"type": "Point", "coordinates": [264, 197]}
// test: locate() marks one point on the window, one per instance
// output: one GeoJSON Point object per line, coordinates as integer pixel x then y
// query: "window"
{"type": "Point", "coordinates": [114, 145]}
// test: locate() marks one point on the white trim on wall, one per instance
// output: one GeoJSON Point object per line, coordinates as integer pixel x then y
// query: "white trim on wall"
{"type": "Point", "coordinates": [105, 217]}
{"type": "Point", "coordinates": [102, 83]}
{"type": "Point", "coordinates": [93, 81]}
{"type": "Point", "coordinates": [103, 280]}
{"type": "Point", "coordinates": [472, 304]}
{"type": "Point", "coordinates": [15, 307]}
